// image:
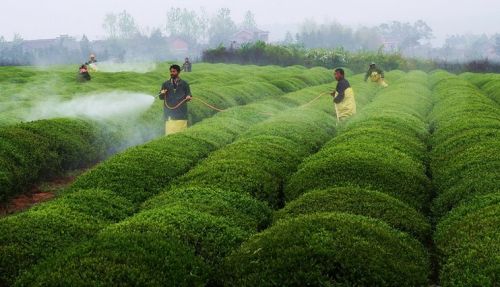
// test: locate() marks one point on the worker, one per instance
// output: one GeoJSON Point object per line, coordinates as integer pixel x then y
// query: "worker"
{"type": "Point", "coordinates": [343, 97]}
{"type": "Point", "coordinates": [376, 75]}
{"type": "Point", "coordinates": [175, 93]}
{"type": "Point", "coordinates": [92, 63]}
{"type": "Point", "coordinates": [83, 74]}
{"type": "Point", "coordinates": [186, 67]}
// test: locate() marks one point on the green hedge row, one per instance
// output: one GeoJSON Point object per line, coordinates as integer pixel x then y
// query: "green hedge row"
{"type": "Point", "coordinates": [221, 86]}
{"type": "Point", "coordinates": [488, 83]}
{"type": "Point", "coordinates": [328, 249]}
{"type": "Point", "coordinates": [47, 148]}
{"type": "Point", "coordinates": [40, 150]}
{"type": "Point", "coordinates": [343, 234]}
{"type": "Point", "coordinates": [465, 165]}
{"type": "Point", "coordinates": [41, 231]}
{"type": "Point", "coordinates": [208, 222]}
{"type": "Point", "coordinates": [176, 241]}
{"type": "Point", "coordinates": [277, 146]}
{"type": "Point", "coordinates": [140, 172]}
{"type": "Point", "coordinates": [363, 202]}
{"type": "Point", "coordinates": [383, 149]}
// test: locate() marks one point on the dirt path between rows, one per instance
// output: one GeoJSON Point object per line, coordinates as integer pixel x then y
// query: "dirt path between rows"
{"type": "Point", "coordinates": [39, 193]}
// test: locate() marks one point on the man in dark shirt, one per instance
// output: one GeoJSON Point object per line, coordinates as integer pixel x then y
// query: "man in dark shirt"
{"type": "Point", "coordinates": [343, 97]}
{"type": "Point", "coordinates": [175, 94]}
{"type": "Point", "coordinates": [376, 75]}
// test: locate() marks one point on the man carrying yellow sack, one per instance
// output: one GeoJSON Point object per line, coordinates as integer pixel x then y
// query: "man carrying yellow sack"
{"type": "Point", "coordinates": [343, 97]}
{"type": "Point", "coordinates": [175, 94]}
{"type": "Point", "coordinates": [376, 75]}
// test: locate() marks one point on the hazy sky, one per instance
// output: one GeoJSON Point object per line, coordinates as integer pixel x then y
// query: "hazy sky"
{"type": "Point", "coordinates": [50, 18]}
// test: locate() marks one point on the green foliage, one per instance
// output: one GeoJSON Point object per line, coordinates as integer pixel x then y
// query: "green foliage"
{"type": "Point", "coordinates": [31, 236]}
{"type": "Point", "coordinates": [136, 175]}
{"type": "Point", "coordinates": [134, 259]}
{"type": "Point", "coordinates": [233, 167]}
{"type": "Point", "coordinates": [383, 149]}
{"type": "Point", "coordinates": [246, 212]}
{"type": "Point", "coordinates": [327, 250]}
{"type": "Point", "coordinates": [47, 148]}
{"type": "Point", "coordinates": [468, 242]}
{"type": "Point", "coordinates": [260, 53]}
{"type": "Point", "coordinates": [360, 202]}
{"type": "Point", "coordinates": [465, 142]}
{"type": "Point", "coordinates": [465, 164]}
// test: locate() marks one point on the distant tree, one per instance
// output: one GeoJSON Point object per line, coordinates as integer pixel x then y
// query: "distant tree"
{"type": "Point", "coordinates": [328, 35]}
{"type": "Point", "coordinates": [185, 24]}
{"type": "Point", "coordinates": [367, 39]}
{"type": "Point", "coordinates": [406, 34]}
{"type": "Point", "coordinates": [497, 44]}
{"type": "Point", "coordinates": [127, 28]}
{"type": "Point", "coordinates": [249, 22]}
{"type": "Point", "coordinates": [85, 47]}
{"type": "Point", "coordinates": [289, 40]}
{"type": "Point", "coordinates": [17, 39]}
{"type": "Point", "coordinates": [222, 27]}
{"type": "Point", "coordinates": [110, 25]}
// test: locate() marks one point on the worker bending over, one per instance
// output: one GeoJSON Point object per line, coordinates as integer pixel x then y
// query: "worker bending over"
{"type": "Point", "coordinates": [376, 75]}
{"type": "Point", "coordinates": [83, 74]}
{"type": "Point", "coordinates": [343, 97]}
{"type": "Point", "coordinates": [175, 94]}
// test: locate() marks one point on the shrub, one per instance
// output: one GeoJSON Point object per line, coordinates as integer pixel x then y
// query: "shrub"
{"type": "Point", "coordinates": [328, 249]}
{"type": "Point", "coordinates": [233, 168]}
{"type": "Point", "coordinates": [360, 202]}
{"type": "Point", "coordinates": [468, 242]}
{"type": "Point", "coordinates": [28, 237]}
{"type": "Point", "coordinates": [246, 212]}
{"type": "Point", "coordinates": [43, 149]}
{"type": "Point", "coordinates": [134, 259]}
{"type": "Point", "coordinates": [364, 165]}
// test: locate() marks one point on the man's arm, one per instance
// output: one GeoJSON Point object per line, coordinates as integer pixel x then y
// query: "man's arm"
{"type": "Point", "coordinates": [367, 75]}
{"type": "Point", "coordinates": [381, 73]}
{"type": "Point", "coordinates": [188, 92]}
{"type": "Point", "coordinates": [163, 91]}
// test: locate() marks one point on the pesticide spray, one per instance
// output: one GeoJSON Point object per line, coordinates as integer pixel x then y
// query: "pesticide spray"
{"type": "Point", "coordinates": [121, 113]}
{"type": "Point", "coordinates": [136, 67]}
{"type": "Point", "coordinates": [102, 106]}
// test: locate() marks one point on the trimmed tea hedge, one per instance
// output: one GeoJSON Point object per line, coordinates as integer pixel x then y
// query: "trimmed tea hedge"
{"type": "Point", "coordinates": [200, 225]}
{"type": "Point", "coordinates": [45, 149]}
{"type": "Point", "coordinates": [328, 250]}
{"type": "Point", "coordinates": [226, 218]}
{"type": "Point", "coordinates": [277, 146]}
{"type": "Point", "coordinates": [465, 165]}
{"type": "Point", "coordinates": [383, 149]}
{"type": "Point", "coordinates": [44, 229]}
{"type": "Point", "coordinates": [140, 172]}
{"type": "Point", "coordinates": [360, 202]}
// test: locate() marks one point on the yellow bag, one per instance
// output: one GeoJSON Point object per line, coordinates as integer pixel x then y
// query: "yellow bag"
{"type": "Point", "coordinates": [347, 107]}
{"type": "Point", "coordinates": [175, 126]}
{"type": "Point", "coordinates": [377, 78]}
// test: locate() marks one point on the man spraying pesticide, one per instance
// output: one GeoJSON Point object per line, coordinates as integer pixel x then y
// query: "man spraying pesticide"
{"type": "Point", "coordinates": [175, 94]}
{"type": "Point", "coordinates": [376, 75]}
{"type": "Point", "coordinates": [343, 97]}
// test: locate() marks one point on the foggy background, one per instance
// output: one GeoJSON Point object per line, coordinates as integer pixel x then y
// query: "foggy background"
{"type": "Point", "coordinates": [443, 29]}
{"type": "Point", "coordinates": [47, 19]}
